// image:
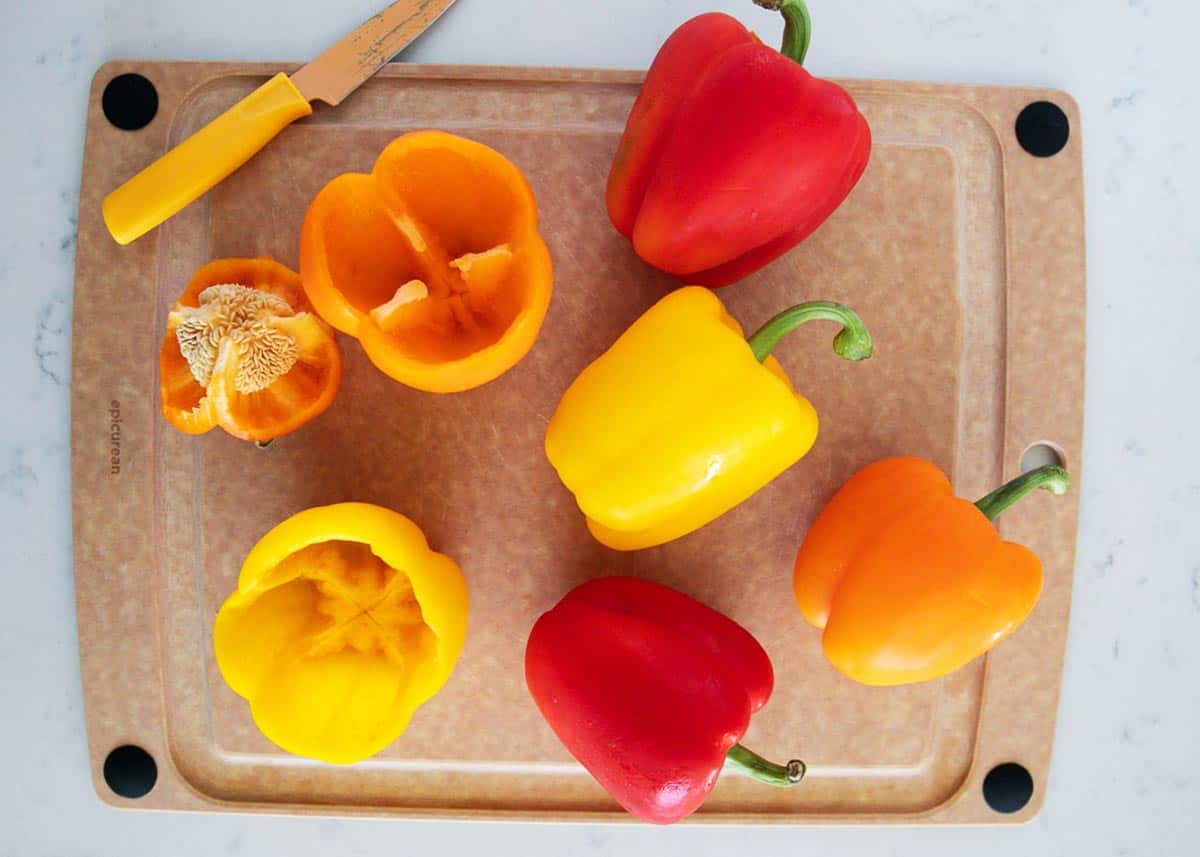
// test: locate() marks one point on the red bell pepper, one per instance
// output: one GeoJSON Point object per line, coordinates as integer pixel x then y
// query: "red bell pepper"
{"type": "Point", "coordinates": [733, 153]}
{"type": "Point", "coordinates": [651, 690]}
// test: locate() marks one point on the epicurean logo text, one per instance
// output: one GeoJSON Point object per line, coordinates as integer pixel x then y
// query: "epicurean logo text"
{"type": "Point", "coordinates": [114, 437]}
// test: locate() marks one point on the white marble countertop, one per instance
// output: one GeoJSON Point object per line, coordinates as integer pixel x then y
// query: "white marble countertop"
{"type": "Point", "coordinates": [1126, 770]}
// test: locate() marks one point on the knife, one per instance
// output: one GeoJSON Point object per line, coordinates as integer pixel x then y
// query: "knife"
{"type": "Point", "coordinates": [202, 160]}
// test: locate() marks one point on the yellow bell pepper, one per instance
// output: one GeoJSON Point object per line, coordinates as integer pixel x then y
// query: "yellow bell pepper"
{"type": "Point", "coordinates": [683, 418]}
{"type": "Point", "coordinates": [343, 623]}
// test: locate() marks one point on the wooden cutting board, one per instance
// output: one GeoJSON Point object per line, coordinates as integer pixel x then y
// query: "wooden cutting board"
{"type": "Point", "coordinates": [963, 253]}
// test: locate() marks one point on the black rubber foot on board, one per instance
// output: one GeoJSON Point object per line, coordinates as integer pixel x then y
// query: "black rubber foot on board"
{"type": "Point", "coordinates": [130, 102]}
{"type": "Point", "coordinates": [130, 771]}
{"type": "Point", "coordinates": [1043, 129]}
{"type": "Point", "coordinates": [1008, 787]}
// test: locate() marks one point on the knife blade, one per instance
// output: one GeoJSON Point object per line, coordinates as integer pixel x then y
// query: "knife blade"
{"type": "Point", "coordinates": [344, 67]}
{"type": "Point", "coordinates": [207, 157]}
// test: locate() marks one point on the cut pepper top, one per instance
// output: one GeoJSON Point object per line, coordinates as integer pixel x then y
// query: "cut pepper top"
{"type": "Point", "coordinates": [243, 316]}
{"type": "Point", "coordinates": [433, 261]}
{"type": "Point", "coordinates": [243, 351]}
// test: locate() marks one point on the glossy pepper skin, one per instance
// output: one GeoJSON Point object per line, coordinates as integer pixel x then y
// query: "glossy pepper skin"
{"type": "Point", "coordinates": [433, 262]}
{"type": "Point", "coordinates": [909, 582]}
{"type": "Point", "coordinates": [650, 690]}
{"type": "Point", "coordinates": [678, 422]}
{"type": "Point", "coordinates": [342, 624]}
{"type": "Point", "coordinates": [733, 153]}
{"type": "Point", "coordinates": [244, 351]}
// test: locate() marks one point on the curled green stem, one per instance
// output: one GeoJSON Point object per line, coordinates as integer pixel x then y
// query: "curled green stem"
{"type": "Point", "coordinates": [797, 27]}
{"type": "Point", "coordinates": [1051, 477]}
{"type": "Point", "coordinates": [853, 342]}
{"type": "Point", "coordinates": [764, 770]}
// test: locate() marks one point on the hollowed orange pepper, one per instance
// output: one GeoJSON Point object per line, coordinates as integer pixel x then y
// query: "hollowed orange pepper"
{"type": "Point", "coordinates": [244, 351]}
{"type": "Point", "coordinates": [910, 582]}
{"type": "Point", "coordinates": [433, 261]}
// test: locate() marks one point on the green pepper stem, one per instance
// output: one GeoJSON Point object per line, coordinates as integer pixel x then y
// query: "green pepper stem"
{"type": "Point", "coordinates": [1051, 477]}
{"type": "Point", "coordinates": [754, 765]}
{"type": "Point", "coordinates": [797, 27]}
{"type": "Point", "coordinates": [853, 342]}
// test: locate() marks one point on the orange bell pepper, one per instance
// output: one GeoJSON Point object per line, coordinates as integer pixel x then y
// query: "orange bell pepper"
{"type": "Point", "coordinates": [433, 261]}
{"type": "Point", "coordinates": [244, 351]}
{"type": "Point", "coordinates": [910, 582]}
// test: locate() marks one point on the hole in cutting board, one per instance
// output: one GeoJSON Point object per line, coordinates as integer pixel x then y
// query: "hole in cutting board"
{"type": "Point", "coordinates": [1007, 787]}
{"type": "Point", "coordinates": [130, 771]}
{"type": "Point", "coordinates": [129, 102]}
{"type": "Point", "coordinates": [1040, 454]}
{"type": "Point", "coordinates": [1043, 129]}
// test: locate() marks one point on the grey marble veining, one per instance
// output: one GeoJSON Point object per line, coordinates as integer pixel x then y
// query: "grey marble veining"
{"type": "Point", "coordinates": [1125, 776]}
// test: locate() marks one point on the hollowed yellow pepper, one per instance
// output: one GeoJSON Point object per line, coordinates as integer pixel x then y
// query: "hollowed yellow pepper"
{"type": "Point", "coordinates": [343, 623]}
{"type": "Point", "coordinates": [683, 418]}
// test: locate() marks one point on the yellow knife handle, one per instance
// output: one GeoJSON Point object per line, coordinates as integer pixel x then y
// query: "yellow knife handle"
{"type": "Point", "coordinates": [203, 159]}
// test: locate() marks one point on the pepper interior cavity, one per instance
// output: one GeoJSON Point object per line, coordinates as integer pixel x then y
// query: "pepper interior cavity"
{"type": "Point", "coordinates": [359, 602]}
{"type": "Point", "coordinates": [432, 261]}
